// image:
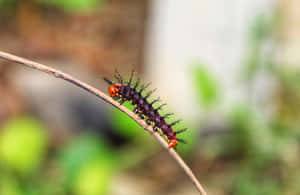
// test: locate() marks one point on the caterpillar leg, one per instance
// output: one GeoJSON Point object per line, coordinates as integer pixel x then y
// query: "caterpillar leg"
{"type": "Point", "coordinates": [108, 81]}
{"type": "Point", "coordinates": [142, 116]}
{"type": "Point", "coordinates": [167, 115]}
{"type": "Point", "coordinates": [144, 87]}
{"type": "Point", "coordinates": [148, 121]}
{"type": "Point", "coordinates": [181, 140]}
{"type": "Point", "coordinates": [156, 100]}
{"type": "Point", "coordinates": [131, 76]}
{"type": "Point", "coordinates": [137, 83]}
{"type": "Point", "coordinates": [135, 110]}
{"type": "Point", "coordinates": [118, 76]}
{"type": "Point", "coordinates": [180, 131]}
{"type": "Point", "coordinates": [122, 101]}
{"type": "Point", "coordinates": [160, 107]}
{"type": "Point", "coordinates": [174, 123]}
{"type": "Point", "coordinates": [149, 93]}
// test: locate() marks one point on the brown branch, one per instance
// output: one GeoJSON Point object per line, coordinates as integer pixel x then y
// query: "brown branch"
{"type": "Point", "coordinates": [108, 99]}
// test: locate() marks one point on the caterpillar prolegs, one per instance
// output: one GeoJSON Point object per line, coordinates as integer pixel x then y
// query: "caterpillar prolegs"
{"type": "Point", "coordinates": [124, 91]}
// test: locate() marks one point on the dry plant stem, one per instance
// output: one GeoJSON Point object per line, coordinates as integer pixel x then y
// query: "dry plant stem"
{"type": "Point", "coordinates": [108, 99]}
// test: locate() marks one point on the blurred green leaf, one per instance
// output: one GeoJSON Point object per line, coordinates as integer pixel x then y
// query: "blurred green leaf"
{"type": "Point", "coordinates": [251, 137]}
{"type": "Point", "coordinates": [257, 58]}
{"type": "Point", "coordinates": [74, 5]}
{"type": "Point", "coordinates": [207, 87]}
{"type": "Point", "coordinates": [124, 124]}
{"type": "Point", "coordinates": [190, 137]}
{"type": "Point", "coordinates": [7, 5]}
{"type": "Point", "coordinates": [93, 179]}
{"type": "Point", "coordinates": [290, 78]}
{"type": "Point", "coordinates": [9, 185]}
{"type": "Point", "coordinates": [247, 184]}
{"type": "Point", "coordinates": [82, 151]}
{"type": "Point", "coordinates": [260, 28]}
{"type": "Point", "coordinates": [23, 144]}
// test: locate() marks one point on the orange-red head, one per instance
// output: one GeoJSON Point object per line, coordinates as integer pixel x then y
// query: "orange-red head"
{"type": "Point", "coordinates": [113, 90]}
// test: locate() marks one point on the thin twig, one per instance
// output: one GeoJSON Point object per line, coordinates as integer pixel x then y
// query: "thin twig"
{"type": "Point", "coordinates": [108, 99]}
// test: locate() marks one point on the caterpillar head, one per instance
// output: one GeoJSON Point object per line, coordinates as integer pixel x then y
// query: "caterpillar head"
{"type": "Point", "coordinates": [114, 90]}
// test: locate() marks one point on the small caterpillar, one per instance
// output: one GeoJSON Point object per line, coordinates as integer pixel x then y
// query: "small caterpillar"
{"type": "Point", "coordinates": [123, 91]}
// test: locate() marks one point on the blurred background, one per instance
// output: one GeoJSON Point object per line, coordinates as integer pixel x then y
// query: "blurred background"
{"type": "Point", "coordinates": [228, 68]}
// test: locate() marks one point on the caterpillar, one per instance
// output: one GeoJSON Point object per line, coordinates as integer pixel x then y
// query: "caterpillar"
{"type": "Point", "coordinates": [124, 91]}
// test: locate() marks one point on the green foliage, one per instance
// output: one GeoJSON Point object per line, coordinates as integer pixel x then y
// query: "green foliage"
{"type": "Point", "coordinates": [74, 5]}
{"type": "Point", "coordinates": [207, 87]}
{"type": "Point", "coordinates": [268, 147]}
{"type": "Point", "coordinates": [254, 60]}
{"type": "Point", "coordinates": [93, 178]}
{"type": "Point", "coordinates": [260, 29]}
{"type": "Point", "coordinates": [189, 136]}
{"type": "Point", "coordinates": [9, 185]}
{"type": "Point", "coordinates": [7, 5]}
{"type": "Point", "coordinates": [261, 147]}
{"type": "Point", "coordinates": [85, 165]}
{"type": "Point", "coordinates": [124, 124]}
{"type": "Point", "coordinates": [248, 183]}
{"type": "Point", "coordinates": [23, 144]}
{"type": "Point", "coordinates": [290, 78]}
{"type": "Point", "coordinates": [251, 137]}
{"type": "Point", "coordinates": [88, 165]}
{"type": "Point", "coordinates": [258, 58]}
